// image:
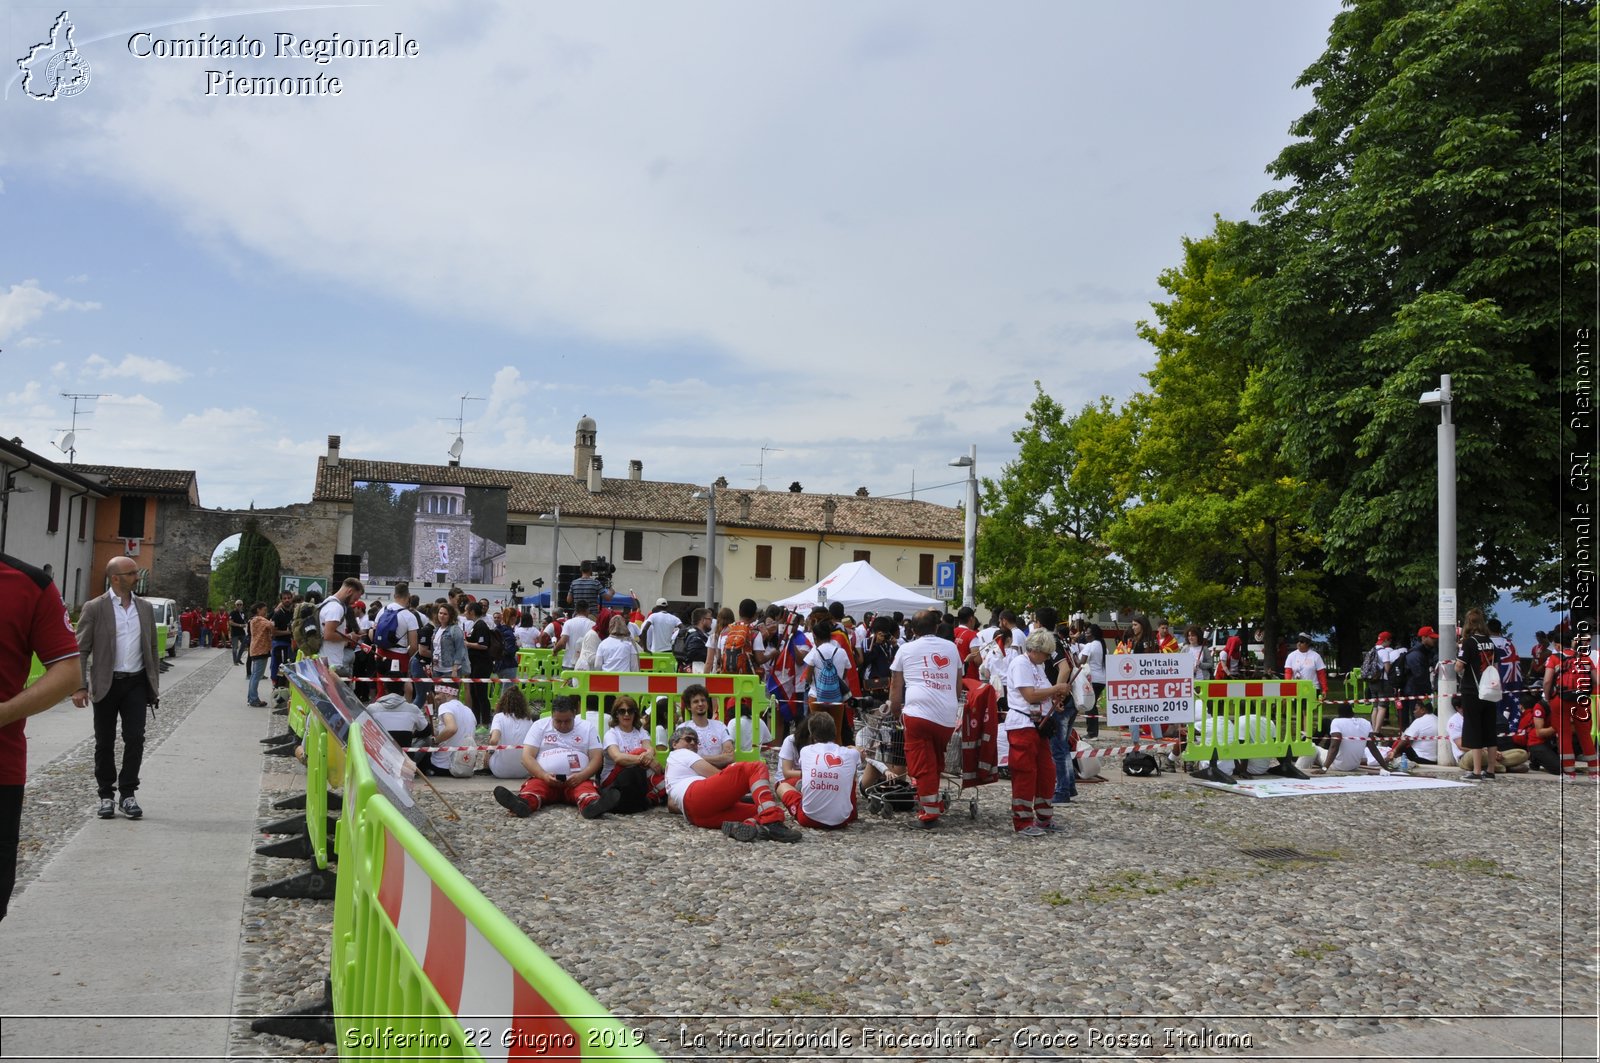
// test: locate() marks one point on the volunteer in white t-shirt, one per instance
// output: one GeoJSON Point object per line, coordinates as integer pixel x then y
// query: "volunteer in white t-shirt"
{"type": "Point", "coordinates": [338, 645]}
{"type": "Point", "coordinates": [825, 796]}
{"type": "Point", "coordinates": [617, 652]}
{"type": "Point", "coordinates": [923, 681]}
{"type": "Point", "coordinates": [512, 722]}
{"type": "Point", "coordinates": [629, 765]}
{"type": "Point", "coordinates": [562, 754]}
{"type": "Point", "coordinates": [716, 742]}
{"type": "Point", "coordinates": [1031, 702]}
{"type": "Point", "coordinates": [1251, 728]}
{"type": "Point", "coordinates": [572, 632]}
{"type": "Point", "coordinates": [1091, 657]}
{"type": "Point", "coordinates": [453, 725]}
{"type": "Point", "coordinates": [737, 799]}
{"type": "Point", "coordinates": [1303, 662]}
{"type": "Point", "coordinates": [1417, 740]}
{"type": "Point", "coordinates": [659, 628]}
{"type": "Point", "coordinates": [395, 659]}
{"type": "Point", "coordinates": [1349, 737]}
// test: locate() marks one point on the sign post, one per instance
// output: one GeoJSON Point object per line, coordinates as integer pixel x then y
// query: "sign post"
{"type": "Point", "coordinates": [1149, 688]}
{"type": "Point", "coordinates": [944, 580]}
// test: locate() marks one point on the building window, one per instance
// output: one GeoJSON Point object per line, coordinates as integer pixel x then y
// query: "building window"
{"type": "Point", "coordinates": [690, 587]}
{"type": "Point", "coordinates": [797, 562]}
{"type": "Point", "coordinates": [55, 509]}
{"type": "Point", "coordinates": [130, 522]}
{"type": "Point", "coordinates": [516, 535]}
{"type": "Point", "coordinates": [763, 562]}
{"type": "Point", "coordinates": [633, 546]}
{"type": "Point", "coordinates": [925, 570]}
{"type": "Point", "coordinates": [864, 555]}
{"type": "Point", "coordinates": [83, 518]}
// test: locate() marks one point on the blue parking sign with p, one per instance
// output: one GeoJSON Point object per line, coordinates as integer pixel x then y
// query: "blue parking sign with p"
{"type": "Point", "coordinates": [944, 579]}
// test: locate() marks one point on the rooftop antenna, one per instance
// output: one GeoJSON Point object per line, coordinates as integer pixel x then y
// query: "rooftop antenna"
{"type": "Point", "coordinates": [761, 466]}
{"type": "Point", "coordinates": [67, 444]}
{"type": "Point", "coordinates": [460, 419]}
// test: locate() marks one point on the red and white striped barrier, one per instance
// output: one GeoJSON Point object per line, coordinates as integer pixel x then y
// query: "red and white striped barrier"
{"type": "Point", "coordinates": [1249, 688]}
{"type": "Point", "coordinates": [476, 983]}
{"type": "Point", "coordinates": [1091, 753]}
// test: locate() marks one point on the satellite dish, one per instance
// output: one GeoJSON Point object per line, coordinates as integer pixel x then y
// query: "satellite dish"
{"type": "Point", "coordinates": [455, 448]}
{"type": "Point", "coordinates": [66, 442]}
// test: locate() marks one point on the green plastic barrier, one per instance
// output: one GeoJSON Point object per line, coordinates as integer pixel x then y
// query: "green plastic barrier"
{"type": "Point", "coordinates": [1291, 706]}
{"type": "Point", "coordinates": [298, 710]}
{"type": "Point", "coordinates": [317, 741]}
{"type": "Point", "coordinates": [161, 641]}
{"type": "Point", "coordinates": [647, 688]}
{"type": "Point", "coordinates": [658, 662]}
{"type": "Point", "coordinates": [538, 662]}
{"type": "Point", "coordinates": [425, 967]}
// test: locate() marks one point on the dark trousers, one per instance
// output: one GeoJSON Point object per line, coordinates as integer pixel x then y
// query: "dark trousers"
{"type": "Point", "coordinates": [238, 642]}
{"type": "Point", "coordinates": [126, 699]}
{"type": "Point", "coordinates": [10, 828]}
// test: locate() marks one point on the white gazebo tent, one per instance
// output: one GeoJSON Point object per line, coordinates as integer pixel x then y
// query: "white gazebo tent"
{"type": "Point", "coordinates": [860, 588]}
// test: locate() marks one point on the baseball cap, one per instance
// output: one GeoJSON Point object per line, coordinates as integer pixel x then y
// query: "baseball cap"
{"type": "Point", "coordinates": [1426, 632]}
{"type": "Point", "coordinates": [661, 601]}
{"type": "Point", "coordinates": [1384, 636]}
{"type": "Point", "coordinates": [1302, 637]}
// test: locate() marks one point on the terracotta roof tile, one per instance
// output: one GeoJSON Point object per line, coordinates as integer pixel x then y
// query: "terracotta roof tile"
{"type": "Point", "coordinates": [532, 493]}
{"type": "Point", "coordinates": [121, 478]}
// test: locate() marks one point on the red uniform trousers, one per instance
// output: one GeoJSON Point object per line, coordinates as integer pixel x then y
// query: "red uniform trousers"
{"type": "Point", "coordinates": [1033, 778]}
{"type": "Point", "coordinates": [539, 793]}
{"type": "Point", "coordinates": [925, 743]}
{"type": "Point", "coordinates": [1571, 713]}
{"type": "Point", "coordinates": [792, 801]}
{"type": "Point", "coordinates": [739, 793]}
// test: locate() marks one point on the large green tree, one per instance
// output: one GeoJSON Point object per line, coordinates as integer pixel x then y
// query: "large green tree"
{"type": "Point", "coordinates": [1219, 515]}
{"type": "Point", "coordinates": [1041, 538]}
{"type": "Point", "coordinates": [1438, 201]}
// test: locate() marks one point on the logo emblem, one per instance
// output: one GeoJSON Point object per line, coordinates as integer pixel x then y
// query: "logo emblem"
{"type": "Point", "coordinates": [832, 760]}
{"type": "Point", "coordinates": [55, 68]}
{"type": "Point", "coordinates": [941, 660]}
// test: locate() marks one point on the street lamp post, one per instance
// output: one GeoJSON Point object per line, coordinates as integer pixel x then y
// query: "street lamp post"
{"type": "Point", "coordinates": [1447, 563]}
{"type": "Point", "coordinates": [969, 461]}
{"type": "Point", "coordinates": [555, 557]}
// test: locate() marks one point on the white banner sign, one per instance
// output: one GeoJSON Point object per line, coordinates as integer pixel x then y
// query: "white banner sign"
{"type": "Point", "coordinates": [1149, 688]}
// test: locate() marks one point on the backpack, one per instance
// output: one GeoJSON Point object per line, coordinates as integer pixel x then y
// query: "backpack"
{"type": "Point", "coordinates": [1141, 764]}
{"type": "Point", "coordinates": [736, 657]}
{"type": "Point", "coordinates": [825, 685]}
{"type": "Point", "coordinates": [680, 645]}
{"type": "Point", "coordinates": [306, 629]}
{"type": "Point", "coordinates": [497, 646]}
{"type": "Point", "coordinates": [386, 633]}
{"type": "Point", "coordinates": [1371, 667]}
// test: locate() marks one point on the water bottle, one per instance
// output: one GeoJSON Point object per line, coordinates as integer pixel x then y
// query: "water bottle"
{"type": "Point", "coordinates": [1404, 764]}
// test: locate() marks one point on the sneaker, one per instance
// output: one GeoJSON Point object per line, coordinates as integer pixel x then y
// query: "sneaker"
{"type": "Point", "coordinates": [608, 800]}
{"type": "Point", "coordinates": [741, 832]}
{"type": "Point", "coordinates": [130, 808]}
{"type": "Point", "coordinates": [1064, 799]}
{"type": "Point", "coordinates": [256, 704]}
{"type": "Point", "coordinates": [513, 803]}
{"type": "Point", "coordinates": [108, 808]}
{"type": "Point", "coordinates": [780, 832]}
{"type": "Point", "coordinates": [1055, 828]}
{"type": "Point", "coordinates": [1032, 830]}
{"type": "Point", "coordinates": [927, 824]}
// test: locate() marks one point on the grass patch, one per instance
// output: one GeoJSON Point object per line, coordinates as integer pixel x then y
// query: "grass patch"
{"type": "Point", "coordinates": [1055, 899]}
{"type": "Point", "coordinates": [1317, 951]}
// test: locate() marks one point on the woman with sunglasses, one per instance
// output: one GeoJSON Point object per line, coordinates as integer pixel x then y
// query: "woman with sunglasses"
{"type": "Point", "coordinates": [630, 760]}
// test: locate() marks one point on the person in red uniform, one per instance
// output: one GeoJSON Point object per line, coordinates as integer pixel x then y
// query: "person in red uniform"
{"type": "Point", "coordinates": [1569, 688]}
{"type": "Point", "coordinates": [33, 623]}
{"type": "Point", "coordinates": [1537, 734]}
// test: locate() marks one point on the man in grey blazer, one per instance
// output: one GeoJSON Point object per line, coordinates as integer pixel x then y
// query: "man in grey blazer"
{"type": "Point", "coordinates": [122, 675]}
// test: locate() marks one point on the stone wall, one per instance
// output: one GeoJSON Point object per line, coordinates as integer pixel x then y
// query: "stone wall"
{"type": "Point", "coordinates": [306, 536]}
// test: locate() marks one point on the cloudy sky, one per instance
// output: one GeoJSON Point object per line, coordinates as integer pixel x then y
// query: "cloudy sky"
{"type": "Point", "coordinates": [854, 232]}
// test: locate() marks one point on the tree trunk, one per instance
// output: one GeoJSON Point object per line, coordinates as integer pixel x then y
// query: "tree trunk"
{"type": "Point", "coordinates": [1269, 590]}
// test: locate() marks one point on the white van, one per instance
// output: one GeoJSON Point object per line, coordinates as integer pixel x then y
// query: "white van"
{"type": "Point", "coordinates": [166, 611]}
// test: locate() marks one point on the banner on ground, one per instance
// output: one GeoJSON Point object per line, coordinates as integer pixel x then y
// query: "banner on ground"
{"type": "Point", "coordinates": [1146, 688]}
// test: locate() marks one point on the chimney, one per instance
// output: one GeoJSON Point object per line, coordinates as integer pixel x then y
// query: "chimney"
{"type": "Point", "coordinates": [333, 450]}
{"type": "Point", "coordinates": [744, 505]}
{"type": "Point", "coordinates": [828, 507]}
{"type": "Point", "coordinates": [596, 463]}
{"type": "Point", "coordinates": [635, 470]}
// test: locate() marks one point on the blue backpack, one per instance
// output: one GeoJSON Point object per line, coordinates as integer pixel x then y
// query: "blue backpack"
{"type": "Point", "coordinates": [387, 632]}
{"type": "Point", "coordinates": [825, 685]}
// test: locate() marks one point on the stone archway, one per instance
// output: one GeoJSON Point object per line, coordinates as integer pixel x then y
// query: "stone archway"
{"type": "Point", "coordinates": [306, 536]}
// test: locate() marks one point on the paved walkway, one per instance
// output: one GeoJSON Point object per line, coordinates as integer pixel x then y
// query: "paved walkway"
{"type": "Point", "coordinates": [126, 945]}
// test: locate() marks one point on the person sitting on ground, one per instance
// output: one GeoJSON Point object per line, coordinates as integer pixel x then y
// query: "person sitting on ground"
{"type": "Point", "coordinates": [1349, 735]}
{"type": "Point", "coordinates": [1510, 757]}
{"type": "Point", "coordinates": [716, 742]}
{"type": "Point", "coordinates": [617, 652]}
{"type": "Point", "coordinates": [747, 732]}
{"type": "Point", "coordinates": [512, 722]}
{"type": "Point", "coordinates": [563, 757]}
{"type": "Point", "coordinates": [630, 765]}
{"type": "Point", "coordinates": [882, 754]}
{"type": "Point", "coordinates": [453, 726]}
{"type": "Point", "coordinates": [737, 799]}
{"type": "Point", "coordinates": [1418, 741]}
{"type": "Point", "coordinates": [1535, 735]}
{"type": "Point", "coordinates": [403, 720]}
{"type": "Point", "coordinates": [824, 796]}
{"type": "Point", "coordinates": [789, 751]}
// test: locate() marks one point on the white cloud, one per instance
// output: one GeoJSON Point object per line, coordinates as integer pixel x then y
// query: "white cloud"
{"type": "Point", "coordinates": [137, 367]}
{"type": "Point", "coordinates": [25, 303]}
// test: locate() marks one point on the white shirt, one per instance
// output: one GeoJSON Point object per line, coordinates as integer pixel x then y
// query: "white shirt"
{"type": "Point", "coordinates": [995, 668]}
{"type": "Point", "coordinates": [563, 753]}
{"type": "Point", "coordinates": [786, 752]}
{"type": "Point", "coordinates": [616, 655]}
{"type": "Point", "coordinates": [931, 670]}
{"type": "Point", "coordinates": [1353, 734]}
{"type": "Point", "coordinates": [1023, 673]}
{"type": "Point", "coordinates": [1304, 664]}
{"type": "Point", "coordinates": [1422, 728]}
{"type": "Point", "coordinates": [335, 651]}
{"type": "Point", "coordinates": [681, 774]}
{"type": "Point", "coordinates": [1453, 729]}
{"type": "Point", "coordinates": [465, 733]}
{"type": "Point", "coordinates": [713, 736]}
{"type": "Point", "coordinates": [838, 657]}
{"type": "Point", "coordinates": [1092, 655]}
{"type": "Point", "coordinates": [507, 763]}
{"type": "Point", "coordinates": [130, 647]}
{"type": "Point", "coordinates": [573, 631]}
{"type": "Point", "coordinates": [741, 730]}
{"type": "Point", "coordinates": [629, 742]}
{"type": "Point", "coordinates": [405, 623]}
{"type": "Point", "coordinates": [827, 782]}
{"type": "Point", "coordinates": [527, 637]}
{"type": "Point", "coordinates": [658, 631]}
